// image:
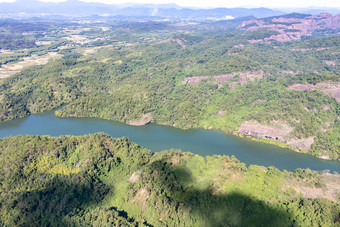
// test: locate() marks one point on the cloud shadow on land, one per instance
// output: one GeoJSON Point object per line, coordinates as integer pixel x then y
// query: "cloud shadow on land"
{"type": "Point", "coordinates": [72, 200]}
{"type": "Point", "coordinates": [206, 207]}
{"type": "Point", "coordinates": [54, 198]}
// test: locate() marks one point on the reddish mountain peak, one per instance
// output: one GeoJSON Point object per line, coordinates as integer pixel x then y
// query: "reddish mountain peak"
{"type": "Point", "coordinates": [291, 27]}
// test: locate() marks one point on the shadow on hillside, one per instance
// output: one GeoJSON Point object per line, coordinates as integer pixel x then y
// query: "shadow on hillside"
{"type": "Point", "coordinates": [215, 209]}
{"type": "Point", "coordinates": [55, 198]}
{"type": "Point", "coordinates": [59, 197]}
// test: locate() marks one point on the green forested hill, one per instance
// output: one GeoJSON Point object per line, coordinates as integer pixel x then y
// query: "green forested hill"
{"type": "Point", "coordinates": [96, 180]}
{"type": "Point", "coordinates": [128, 82]}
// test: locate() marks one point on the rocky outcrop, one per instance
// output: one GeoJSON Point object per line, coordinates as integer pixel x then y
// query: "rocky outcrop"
{"type": "Point", "coordinates": [275, 131]}
{"type": "Point", "coordinates": [194, 80]}
{"type": "Point", "coordinates": [173, 40]}
{"type": "Point", "coordinates": [304, 143]}
{"type": "Point", "coordinates": [331, 89]}
{"type": "Point", "coordinates": [244, 76]}
{"type": "Point", "coordinates": [144, 120]}
{"type": "Point", "coordinates": [330, 191]}
{"type": "Point", "coordinates": [331, 63]}
{"type": "Point", "coordinates": [135, 177]}
{"type": "Point", "coordinates": [325, 157]}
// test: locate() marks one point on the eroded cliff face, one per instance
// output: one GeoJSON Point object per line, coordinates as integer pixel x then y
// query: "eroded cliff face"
{"type": "Point", "coordinates": [276, 130]}
{"type": "Point", "coordinates": [144, 120]}
{"type": "Point", "coordinates": [290, 28]}
{"type": "Point", "coordinates": [332, 89]}
{"type": "Point", "coordinates": [243, 78]}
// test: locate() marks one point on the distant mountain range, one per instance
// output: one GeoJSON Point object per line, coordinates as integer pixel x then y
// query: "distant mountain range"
{"type": "Point", "coordinates": [78, 8]}
{"type": "Point", "coordinates": [314, 10]}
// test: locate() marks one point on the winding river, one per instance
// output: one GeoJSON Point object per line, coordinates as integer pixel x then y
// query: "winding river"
{"type": "Point", "coordinates": [158, 138]}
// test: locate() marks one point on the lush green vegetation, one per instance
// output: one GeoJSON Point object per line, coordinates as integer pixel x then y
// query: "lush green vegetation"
{"type": "Point", "coordinates": [97, 180]}
{"type": "Point", "coordinates": [127, 82]}
{"type": "Point", "coordinates": [141, 67]}
{"type": "Point", "coordinates": [16, 35]}
{"type": "Point", "coordinates": [123, 70]}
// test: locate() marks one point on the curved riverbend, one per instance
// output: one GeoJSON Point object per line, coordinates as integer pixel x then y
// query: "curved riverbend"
{"type": "Point", "coordinates": [158, 138]}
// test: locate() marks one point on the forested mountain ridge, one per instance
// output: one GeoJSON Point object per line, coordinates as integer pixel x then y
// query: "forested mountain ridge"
{"type": "Point", "coordinates": [75, 8]}
{"type": "Point", "coordinates": [97, 180]}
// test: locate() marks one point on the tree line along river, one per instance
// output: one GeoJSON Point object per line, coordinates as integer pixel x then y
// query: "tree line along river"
{"type": "Point", "coordinates": [158, 138]}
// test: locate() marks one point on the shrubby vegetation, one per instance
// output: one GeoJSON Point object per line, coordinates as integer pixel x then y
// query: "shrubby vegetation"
{"type": "Point", "coordinates": [125, 84]}
{"type": "Point", "coordinates": [97, 180]}
{"type": "Point", "coordinates": [137, 75]}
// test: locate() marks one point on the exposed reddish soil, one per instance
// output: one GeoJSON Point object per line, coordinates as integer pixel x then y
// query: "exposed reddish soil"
{"type": "Point", "coordinates": [205, 41]}
{"type": "Point", "coordinates": [330, 191]}
{"type": "Point", "coordinates": [162, 41]}
{"type": "Point", "coordinates": [189, 65]}
{"type": "Point", "coordinates": [175, 161]}
{"type": "Point", "coordinates": [233, 85]}
{"type": "Point", "coordinates": [300, 87]}
{"type": "Point", "coordinates": [252, 76]}
{"type": "Point", "coordinates": [179, 42]}
{"type": "Point", "coordinates": [276, 131]}
{"type": "Point", "coordinates": [223, 78]}
{"type": "Point", "coordinates": [326, 108]}
{"type": "Point", "coordinates": [239, 46]}
{"type": "Point", "coordinates": [308, 49]}
{"type": "Point", "coordinates": [291, 29]}
{"type": "Point", "coordinates": [221, 113]}
{"type": "Point", "coordinates": [331, 63]}
{"type": "Point", "coordinates": [252, 41]}
{"type": "Point", "coordinates": [135, 177]}
{"type": "Point", "coordinates": [194, 80]}
{"type": "Point", "coordinates": [144, 120]}
{"type": "Point", "coordinates": [244, 76]}
{"type": "Point", "coordinates": [141, 197]}
{"type": "Point", "coordinates": [325, 157]}
{"type": "Point", "coordinates": [331, 89]}
{"type": "Point", "coordinates": [305, 143]}
{"type": "Point", "coordinates": [174, 40]}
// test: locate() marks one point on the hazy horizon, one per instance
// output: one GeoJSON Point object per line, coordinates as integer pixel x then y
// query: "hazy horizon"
{"type": "Point", "coordinates": [288, 4]}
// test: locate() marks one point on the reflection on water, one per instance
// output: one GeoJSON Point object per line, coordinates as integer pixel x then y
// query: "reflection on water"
{"type": "Point", "coordinates": [158, 138]}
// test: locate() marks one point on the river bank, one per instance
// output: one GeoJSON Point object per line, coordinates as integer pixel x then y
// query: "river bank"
{"type": "Point", "coordinates": [158, 138]}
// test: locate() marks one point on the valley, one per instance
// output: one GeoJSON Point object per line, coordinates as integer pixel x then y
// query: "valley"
{"type": "Point", "coordinates": [127, 78]}
{"type": "Point", "coordinates": [167, 116]}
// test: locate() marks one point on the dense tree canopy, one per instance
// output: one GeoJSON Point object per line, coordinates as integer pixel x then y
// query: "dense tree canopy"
{"type": "Point", "coordinates": [127, 81]}
{"type": "Point", "coordinates": [97, 180]}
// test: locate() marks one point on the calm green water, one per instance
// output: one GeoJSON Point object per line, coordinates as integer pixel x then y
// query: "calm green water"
{"type": "Point", "coordinates": [158, 138]}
